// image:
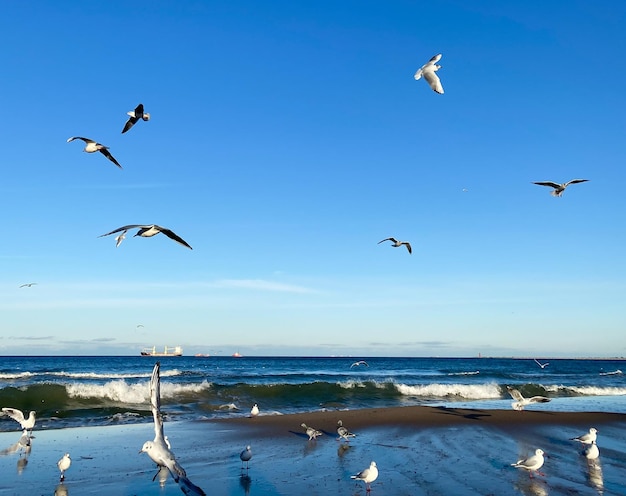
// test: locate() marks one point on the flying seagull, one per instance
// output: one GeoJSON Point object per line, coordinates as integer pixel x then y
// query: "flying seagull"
{"type": "Point", "coordinates": [159, 450]}
{"type": "Point", "coordinates": [368, 476]}
{"type": "Point", "coordinates": [588, 438]}
{"type": "Point", "coordinates": [119, 238]}
{"type": "Point", "coordinates": [147, 232]}
{"type": "Point", "coordinates": [245, 456]}
{"type": "Point", "coordinates": [63, 464]}
{"type": "Point", "coordinates": [18, 416]}
{"type": "Point", "coordinates": [359, 363]}
{"type": "Point", "coordinates": [397, 243]}
{"type": "Point", "coordinates": [559, 188]}
{"type": "Point", "coordinates": [135, 115]}
{"type": "Point", "coordinates": [28, 285]}
{"type": "Point", "coordinates": [520, 402]}
{"type": "Point", "coordinates": [311, 432]}
{"type": "Point", "coordinates": [542, 365]}
{"type": "Point", "coordinates": [532, 463]}
{"type": "Point", "coordinates": [92, 146]}
{"type": "Point", "coordinates": [343, 432]}
{"type": "Point", "coordinates": [428, 70]}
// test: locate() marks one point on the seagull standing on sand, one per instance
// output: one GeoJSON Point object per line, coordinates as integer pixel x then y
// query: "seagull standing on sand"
{"type": "Point", "coordinates": [311, 432]}
{"type": "Point", "coordinates": [520, 402]}
{"type": "Point", "coordinates": [158, 450]}
{"type": "Point", "coordinates": [254, 411]}
{"type": "Point", "coordinates": [542, 365]}
{"type": "Point", "coordinates": [17, 415]}
{"type": "Point", "coordinates": [560, 188]}
{"type": "Point", "coordinates": [532, 463]}
{"type": "Point", "coordinates": [428, 70]}
{"type": "Point", "coordinates": [63, 464]}
{"type": "Point", "coordinates": [588, 438]}
{"type": "Point", "coordinates": [397, 243]}
{"type": "Point", "coordinates": [368, 476]}
{"type": "Point", "coordinates": [92, 146]}
{"type": "Point", "coordinates": [135, 115]}
{"type": "Point", "coordinates": [147, 231]}
{"type": "Point", "coordinates": [343, 432]}
{"type": "Point", "coordinates": [245, 456]}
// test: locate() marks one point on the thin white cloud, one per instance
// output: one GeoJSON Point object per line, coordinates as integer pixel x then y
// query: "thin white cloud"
{"type": "Point", "coordinates": [262, 285]}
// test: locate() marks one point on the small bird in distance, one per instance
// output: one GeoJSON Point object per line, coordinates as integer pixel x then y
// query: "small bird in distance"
{"type": "Point", "coordinates": [28, 285]}
{"type": "Point", "coordinates": [396, 243]}
{"type": "Point", "coordinates": [560, 188]}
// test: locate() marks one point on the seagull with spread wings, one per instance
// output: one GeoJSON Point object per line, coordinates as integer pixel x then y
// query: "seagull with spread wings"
{"type": "Point", "coordinates": [135, 115]}
{"type": "Point", "coordinates": [428, 70]}
{"type": "Point", "coordinates": [560, 188]}
{"type": "Point", "coordinates": [520, 402]}
{"type": "Point", "coordinates": [159, 449]}
{"type": "Point", "coordinates": [26, 423]}
{"type": "Point", "coordinates": [396, 243]}
{"type": "Point", "coordinates": [92, 146]}
{"type": "Point", "coordinates": [147, 231]}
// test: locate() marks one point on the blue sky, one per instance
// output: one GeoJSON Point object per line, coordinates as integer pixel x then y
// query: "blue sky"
{"type": "Point", "coordinates": [287, 139]}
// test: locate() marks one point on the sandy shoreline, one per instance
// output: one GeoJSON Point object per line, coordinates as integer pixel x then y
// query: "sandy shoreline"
{"type": "Point", "coordinates": [419, 450]}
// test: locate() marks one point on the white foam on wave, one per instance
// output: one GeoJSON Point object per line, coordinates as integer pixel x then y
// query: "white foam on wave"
{"type": "Point", "coordinates": [475, 391]}
{"type": "Point", "coordinates": [589, 390]}
{"type": "Point", "coordinates": [122, 392]}
{"type": "Point", "coordinates": [93, 375]}
{"type": "Point", "coordinates": [19, 375]}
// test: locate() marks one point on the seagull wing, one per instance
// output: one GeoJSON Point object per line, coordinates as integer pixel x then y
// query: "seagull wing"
{"type": "Point", "coordinates": [130, 123]}
{"type": "Point", "coordinates": [538, 399]}
{"type": "Point", "coordinates": [388, 239]}
{"type": "Point", "coordinates": [124, 228]}
{"type": "Point", "coordinates": [408, 246]}
{"type": "Point", "coordinates": [418, 74]}
{"type": "Point", "coordinates": [86, 140]}
{"type": "Point", "coordinates": [15, 414]}
{"type": "Point", "coordinates": [515, 394]}
{"type": "Point", "coordinates": [108, 155]}
{"type": "Point", "coordinates": [434, 59]}
{"type": "Point", "coordinates": [174, 236]}
{"type": "Point", "coordinates": [434, 81]}
{"type": "Point", "coordinates": [575, 181]}
{"type": "Point", "coordinates": [548, 183]}
{"type": "Point", "coordinates": [155, 403]}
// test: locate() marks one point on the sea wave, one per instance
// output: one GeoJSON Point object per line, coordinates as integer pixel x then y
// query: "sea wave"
{"type": "Point", "coordinates": [15, 375]}
{"type": "Point", "coordinates": [586, 390]}
{"type": "Point", "coordinates": [120, 391]}
{"type": "Point", "coordinates": [446, 391]}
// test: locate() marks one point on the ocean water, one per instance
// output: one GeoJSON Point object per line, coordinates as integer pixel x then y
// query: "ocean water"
{"type": "Point", "coordinates": [84, 391]}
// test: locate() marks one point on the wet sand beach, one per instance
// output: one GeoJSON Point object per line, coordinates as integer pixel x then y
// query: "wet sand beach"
{"type": "Point", "coordinates": [418, 450]}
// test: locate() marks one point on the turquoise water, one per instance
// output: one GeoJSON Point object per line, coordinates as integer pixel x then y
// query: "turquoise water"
{"type": "Point", "coordinates": [79, 391]}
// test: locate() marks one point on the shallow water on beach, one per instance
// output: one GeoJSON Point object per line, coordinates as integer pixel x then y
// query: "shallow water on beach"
{"type": "Point", "coordinates": [92, 391]}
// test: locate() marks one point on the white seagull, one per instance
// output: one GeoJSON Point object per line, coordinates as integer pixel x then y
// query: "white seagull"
{"type": "Point", "coordinates": [135, 115]}
{"type": "Point", "coordinates": [368, 476]}
{"type": "Point", "coordinates": [311, 432]}
{"type": "Point", "coordinates": [158, 450]}
{"type": "Point", "coordinates": [343, 432]}
{"type": "Point", "coordinates": [254, 411]}
{"type": "Point", "coordinates": [532, 463]}
{"type": "Point", "coordinates": [17, 415]}
{"type": "Point", "coordinates": [560, 188]}
{"type": "Point", "coordinates": [119, 238]}
{"type": "Point", "coordinates": [92, 146]}
{"type": "Point", "coordinates": [428, 70]}
{"type": "Point", "coordinates": [397, 243]}
{"type": "Point", "coordinates": [245, 456]}
{"type": "Point", "coordinates": [588, 438]}
{"type": "Point", "coordinates": [542, 365]}
{"type": "Point", "coordinates": [148, 231]}
{"type": "Point", "coordinates": [520, 402]}
{"type": "Point", "coordinates": [63, 464]}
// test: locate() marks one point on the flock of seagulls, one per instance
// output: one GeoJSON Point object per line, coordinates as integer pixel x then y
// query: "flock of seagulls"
{"type": "Point", "coordinates": [144, 231]}
{"type": "Point", "coordinates": [533, 463]}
